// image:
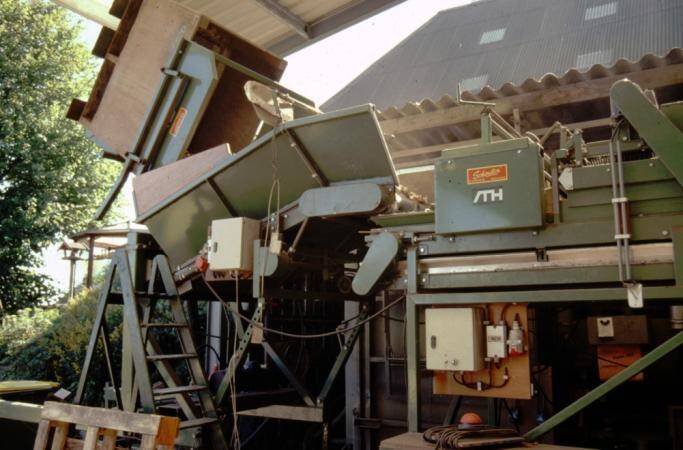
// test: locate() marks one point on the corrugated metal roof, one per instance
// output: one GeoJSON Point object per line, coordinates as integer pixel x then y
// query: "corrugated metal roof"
{"type": "Point", "coordinates": [257, 23]}
{"type": "Point", "coordinates": [402, 145]}
{"type": "Point", "coordinates": [541, 36]}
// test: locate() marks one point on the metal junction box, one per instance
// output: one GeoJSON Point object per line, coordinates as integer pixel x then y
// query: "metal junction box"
{"type": "Point", "coordinates": [455, 339]}
{"type": "Point", "coordinates": [232, 242]}
{"type": "Point", "coordinates": [489, 187]}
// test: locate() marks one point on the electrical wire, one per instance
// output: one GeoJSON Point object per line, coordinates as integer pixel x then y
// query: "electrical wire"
{"type": "Point", "coordinates": [612, 362]}
{"type": "Point", "coordinates": [338, 331]}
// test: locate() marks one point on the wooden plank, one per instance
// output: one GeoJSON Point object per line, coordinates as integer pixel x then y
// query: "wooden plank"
{"type": "Point", "coordinates": [148, 443]}
{"type": "Point", "coordinates": [91, 10]}
{"type": "Point", "coordinates": [60, 436]}
{"type": "Point", "coordinates": [108, 439]}
{"type": "Point", "coordinates": [91, 438]}
{"type": "Point", "coordinates": [105, 418]}
{"type": "Point", "coordinates": [23, 412]}
{"type": "Point", "coordinates": [286, 412]}
{"type": "Point", "coordinates": [519, 367]}
{"type": "Point", "coordinates": [42, 436]}
{"type": "Point", "coordinates": [150, 188]}
{"type": "Point", "coordinates": [529, 101]}
{"type": "Point", "coordinates": [77, 444]}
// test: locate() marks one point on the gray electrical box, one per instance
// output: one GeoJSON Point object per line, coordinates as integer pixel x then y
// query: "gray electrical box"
{"type": "Point", "coordinates": [489, 187]}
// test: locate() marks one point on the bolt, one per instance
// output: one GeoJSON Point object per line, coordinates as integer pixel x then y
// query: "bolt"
{"type": "Point", "coordinates": [624, 138]}
{"type": "Point", "coordinates": [424, 279]}
{"type": "Point", "coordinates": [284, 216]}
{"type": "Point", "coordinates": [519, 152]}
{"type": "Point", "coordinates": [535, 233]}
{"type": "Point", "coordinates": [665, 232]}
{"type": "Point", "coordinates": [450, 161]}
{"type": "Point", "coordinates": [422, 249]}
{"type": "Point", "coordinates": [405, 281]}
{"type": "Point", "coordinates": [451, 239]}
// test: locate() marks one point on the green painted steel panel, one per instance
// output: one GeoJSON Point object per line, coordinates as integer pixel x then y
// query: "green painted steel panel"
{"type": "Point", "coordinates": [663, 137]}
{"type": "Point", "coordinates": [648, 228]}
{"type": "Point", "coordinates": [674, 111]}
{"type": "Point", "coordinates": [357, 198]}
{"type": "Point", "coordinates": [244, 180]}
{"type": "Point", "coordinates": [544, 277]}
{"type": "Point", "coordinates": [465, 203]}
{"type": "Point", "coordinates": [640, 171]}
{"type": "Point", "coordinates": [382, 252]}
{"type": "Point", "coordinates": [668, 189]}
{"type": "Point", "coordinates": [181, 229]}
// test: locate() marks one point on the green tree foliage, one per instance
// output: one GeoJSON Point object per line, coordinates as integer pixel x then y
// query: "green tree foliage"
{"type": "Point", "coordinates": [51, 176]}
{"type": "Point", "coordinates": [49, 344]}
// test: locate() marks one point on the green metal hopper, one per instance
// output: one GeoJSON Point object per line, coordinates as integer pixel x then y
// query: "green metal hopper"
{"type": "Point", "coordinates": [327, 149]}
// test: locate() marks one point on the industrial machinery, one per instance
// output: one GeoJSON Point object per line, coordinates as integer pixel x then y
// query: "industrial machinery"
{"type": "Point", "coordinates": [300, 236]}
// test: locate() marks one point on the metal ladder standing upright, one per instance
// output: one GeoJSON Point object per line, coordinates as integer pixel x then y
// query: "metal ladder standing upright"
{"type": "Point", "coordinates": [145, 348]}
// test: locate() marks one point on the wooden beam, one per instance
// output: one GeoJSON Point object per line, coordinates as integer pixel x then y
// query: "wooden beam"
{"type": "Point", "coordinates": [530, 101]}
{"type": "Point", "coordinates": [287, 16]}
{"type": "Point", "coordinates": [91, 10]}
{"type": "Point", "coordinates": [419, 151]}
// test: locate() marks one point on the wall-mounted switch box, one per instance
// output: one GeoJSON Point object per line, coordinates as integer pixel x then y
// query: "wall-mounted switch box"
{"type": "Point", "coordinates": [231, 244]}
{"type": "Point", "coordinates": [455, 339]}
{"type": "Point", "coordinates": [496, 337]}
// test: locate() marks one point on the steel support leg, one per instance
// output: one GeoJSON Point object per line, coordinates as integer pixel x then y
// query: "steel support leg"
{"type": "Point", "coordinates": [238, 357]}
{"type": "Point", "coordinates": [625, 375]}
{"type": "Point", "coordinates": [412, 344]}
{"type": "Point", "coordinates": [343, 356]}
{"type": "Point", "coordinates": [413, 362]}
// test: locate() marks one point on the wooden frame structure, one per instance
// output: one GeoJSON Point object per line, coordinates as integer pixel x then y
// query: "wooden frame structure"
{"type": "Point", "coordinates": [158, 432]}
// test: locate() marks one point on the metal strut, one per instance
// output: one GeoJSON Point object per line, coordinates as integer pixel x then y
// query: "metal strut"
{"type": "Point", "coordinates": [606, 387]}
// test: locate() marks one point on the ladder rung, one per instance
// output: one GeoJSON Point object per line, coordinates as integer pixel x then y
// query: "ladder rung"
{"type": "Point", "coordinates": [173, 356]}
{"type": "Point", "coordinates": [154, 295]}
{"type": "Point", "coordinates": [197, 422]}
{"type": "Point", "coordinates": [179, 390]}
{"type": "Point", "coordinates": [163, 325]}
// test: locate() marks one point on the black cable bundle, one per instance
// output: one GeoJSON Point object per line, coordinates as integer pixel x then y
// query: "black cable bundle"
{"type": "Point", "coordinates": [449, 436]}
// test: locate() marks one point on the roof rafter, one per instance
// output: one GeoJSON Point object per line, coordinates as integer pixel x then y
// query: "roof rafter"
{"type": "Point", "coordinates": [92, 10]}
{"type": "Point", "coordinates": [287, 16]}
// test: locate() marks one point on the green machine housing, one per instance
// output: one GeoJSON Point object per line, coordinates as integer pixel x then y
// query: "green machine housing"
{"type": "Point", "coordinates": [487, 187]}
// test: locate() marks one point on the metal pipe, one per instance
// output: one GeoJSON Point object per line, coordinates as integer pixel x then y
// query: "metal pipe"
{"type": "Point", "coordinates": [624, 212]}
{"type": "Point", "coordinates": [615, 210]}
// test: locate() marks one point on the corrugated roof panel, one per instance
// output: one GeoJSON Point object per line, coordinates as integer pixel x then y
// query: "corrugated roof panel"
{"type": "Point", "coordinates": [542, 36]}
{"type": "Point", "coordinates": [257, 24]}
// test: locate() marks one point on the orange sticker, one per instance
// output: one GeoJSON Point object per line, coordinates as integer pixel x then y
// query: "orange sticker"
{"type": "Point", "coordinates": [487, 174]}
{"type": "Point", "coordinates": [178, 121]}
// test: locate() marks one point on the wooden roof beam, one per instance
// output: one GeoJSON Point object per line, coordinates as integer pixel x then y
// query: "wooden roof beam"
{"type": "Point", "coordinates": [91, 10]}
{"type": "Point", "coordinates": [287, 16]}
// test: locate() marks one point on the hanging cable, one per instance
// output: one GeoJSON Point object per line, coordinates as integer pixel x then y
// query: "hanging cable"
{"type": "Point", "coordinates": [309, 336]}
{"type": "Point", "coordinates": [450, 436]}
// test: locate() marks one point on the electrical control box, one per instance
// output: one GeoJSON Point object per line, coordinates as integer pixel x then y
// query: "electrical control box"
{"type": "Point", "coordinates": [231, 243]}
{"type": "Point", "coordinates": [487, 187]}
{"type": "Point", "coordinates": [455, 339]}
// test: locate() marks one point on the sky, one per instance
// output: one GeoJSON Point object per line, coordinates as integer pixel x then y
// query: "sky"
{"type": "Point", "coordinates": [317, 72]}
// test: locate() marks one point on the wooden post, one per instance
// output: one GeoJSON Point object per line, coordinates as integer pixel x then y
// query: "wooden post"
{"type": "Point", "coordinates": [91, 261]}
{"type": "Point", "coordinates": [91, 10]}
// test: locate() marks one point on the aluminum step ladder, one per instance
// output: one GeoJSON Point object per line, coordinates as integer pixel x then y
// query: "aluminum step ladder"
{"type": "Point", "coordinates": [144, 314]}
